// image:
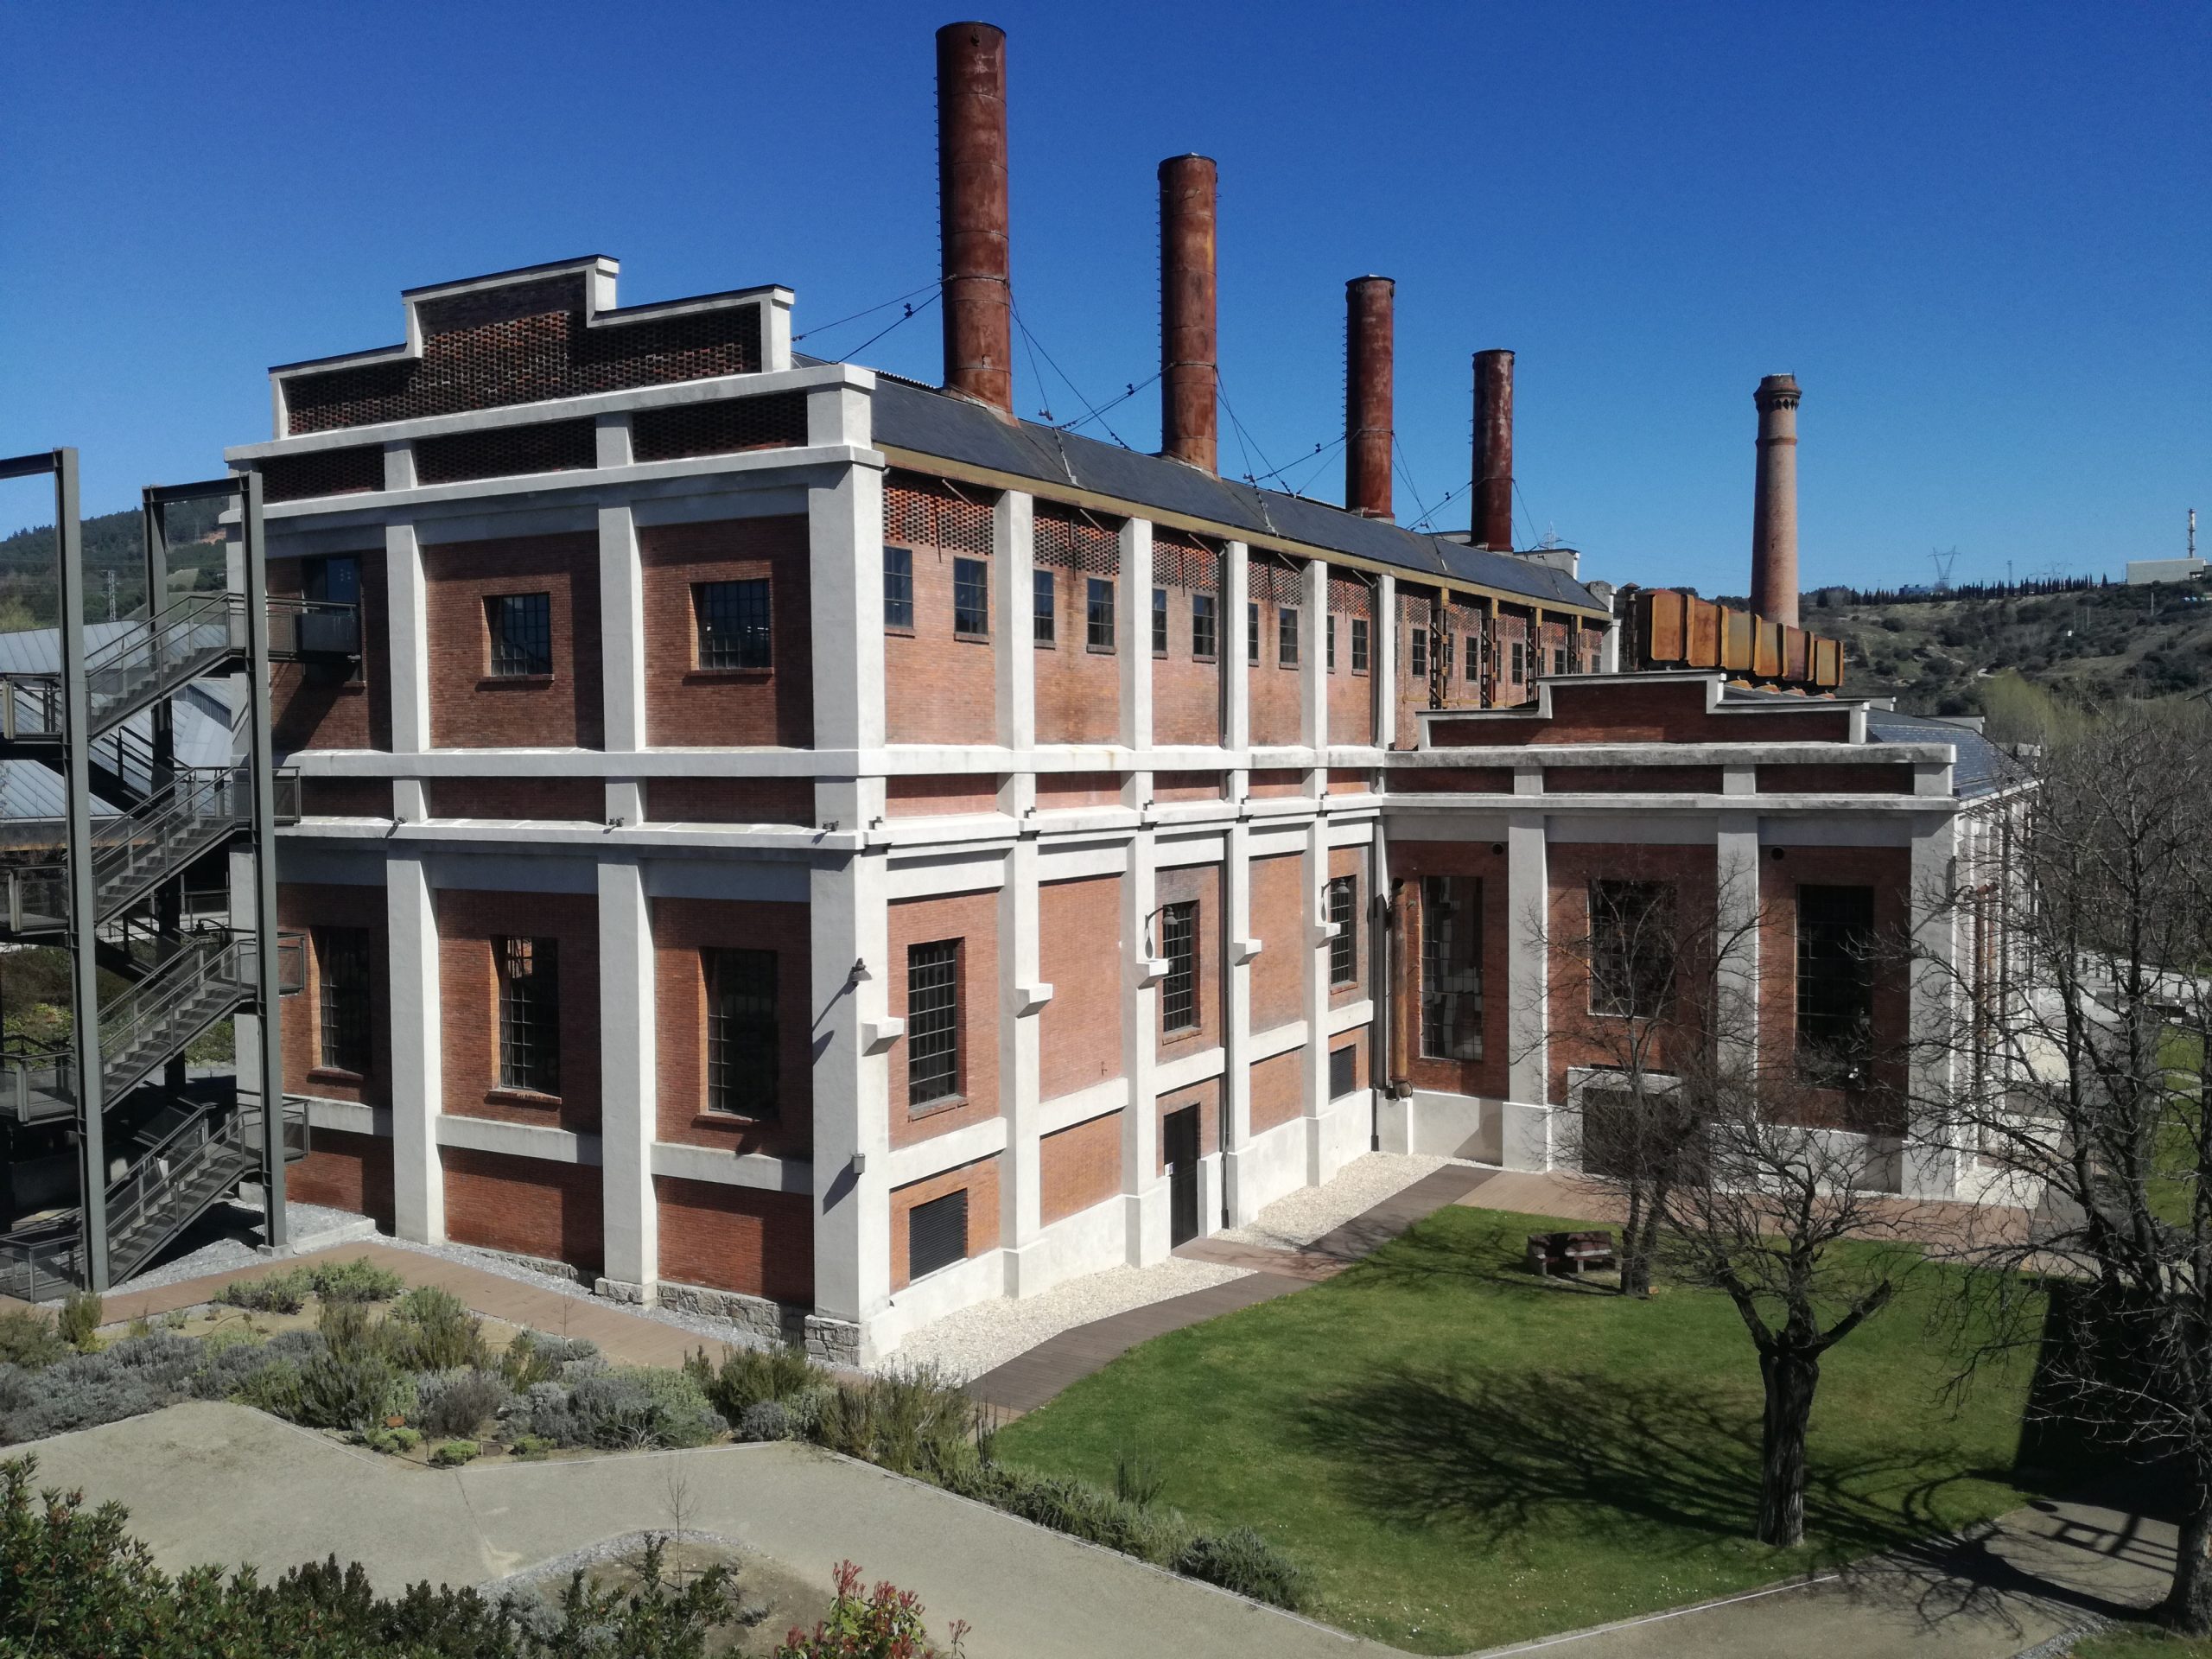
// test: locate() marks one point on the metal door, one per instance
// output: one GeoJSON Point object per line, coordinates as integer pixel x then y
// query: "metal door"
{"type": "Point", "coordinates": [1180, 1143]}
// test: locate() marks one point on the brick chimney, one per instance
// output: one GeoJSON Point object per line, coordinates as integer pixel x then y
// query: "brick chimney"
{"type": "Point", "coordinates": [1189, 371]}
{"type": "Point", "coordinates": [1493, 524]}
{"type": "Point", "coordinates": [1369, 302]}
{"type": "Point", "coordinates": [1774, 502]}
{"type": "Point", "coordinates": [972, 213]}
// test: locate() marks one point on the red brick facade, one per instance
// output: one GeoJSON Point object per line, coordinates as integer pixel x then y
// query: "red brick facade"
{"type": "Point", "coordinates": [682, 930]}
{"type": "Point", "coordinates": [1199, 884]}
{"type": "Point", "coordinates": [972, 919]}
{"type": "Point", "coordinates": [1278, 976]}
{"type": "Point", "coordinates": [525, 1206]}
{"type": "Point", "coordinates": [688, 706]}
{"type": "Point", "coordinates": [345, 1171]}
{"type": "Point", "coordinates": [470, 924]}
{"type": "Point", "coordinates": [316, 706]}
{"type": "Point", "coordinates": [472, 709]}
{"type": "Point", "coordinates": [1078, 1167]}
{"type": "Point", "coordinates": [729, 800]}
{"type": "Point", "coordinates": [739, 1238]}
{"type": "Point", "coordinates": [1079, 954]}
{"type": "Point", "coordinates": [1278, 1090]}
{"type": "Point", "coordinates": [981, 1182]}
{"type": "Point", "coordinates": [306, 908]}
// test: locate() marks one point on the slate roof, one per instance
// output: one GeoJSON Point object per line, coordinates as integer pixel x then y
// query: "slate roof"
{"type": "Point", "coordinates": [917, 418]}
{"type": "Point", "coordinates": [1981, 767]}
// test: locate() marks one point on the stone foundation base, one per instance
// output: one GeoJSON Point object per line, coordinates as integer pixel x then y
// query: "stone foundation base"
{"type": "Point", "coordinates": [621, 1290]}
{"type": "Point", "coordinates": [832, 1342]}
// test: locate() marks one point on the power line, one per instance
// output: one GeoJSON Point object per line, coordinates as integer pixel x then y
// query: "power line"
{"type": "Point", "coordinates": [1245, 441]}
{"type": "Point", "coordinates": [1429, 517]}
{"type": "Point", "coordinates": [825, 328]}
{"type": "Point", "coordinates": [1406, 473]}
{"type": "Point", "coordinates": [912, 312]}
{"type": "Point", "coordinates": [1092, 414]}
{"type": "Point", "coordinates": [1039, 346]}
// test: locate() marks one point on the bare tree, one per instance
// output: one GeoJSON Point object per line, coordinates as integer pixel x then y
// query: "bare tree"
{"type": "Point", "coordinates": [2073, 1072]}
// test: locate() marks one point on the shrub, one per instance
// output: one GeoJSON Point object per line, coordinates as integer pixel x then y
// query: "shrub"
{"type": "Point", "coordinates": [1079, 1509]}
{"type": "Point", "coordinates": [87, 1390]}
{"type": "Point", "coordinates": [764, 1419]}
{"type": "Point", "coordinates": [1138, 1478]}
{"type": "Point", "coordinates": [886, 1622]}
{"type": "Point", "coordinates": [348, 1390]}
{"type": "Point", "coordinates": [393, 1440]}
{"type": "Point", "coordinates": [459, 1402]}
{"type": "Point", "coordinates": [533, 1357]}
{"type": "Point", "coordinates": [282, 1292]}
{"type": "Point", "coordinates": [1240, 1559]}
{"type": "Point", "coordinates": [272, 1384]}
{"type": "Point", "coordinates": [346, 1328]}
{"type": "Point", "coordinates": [543, 1413]}
{"type": "Point", "coordinates": [78, 1322]}
{"type": "Point", "coordinates": [27, 1338]}
{"type": "Point", "coordinates": [356, 1281]}
{"type": "Point", "coordinates": [454, 1453]}
{"type": "Point", "coordinates": [747, 1376]}
{"type": "Point", "coordinates": [915, 1421]}
{"type": "Point", "coordinates": [432, 1330]}
{"type": "Point", "coordinates": [530, 1448]}
{"type": "Point", "coordinates": [640, 1408]}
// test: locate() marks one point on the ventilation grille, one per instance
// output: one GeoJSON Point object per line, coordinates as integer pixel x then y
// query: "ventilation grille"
{"type": "Point", "coordinates": [721, 428]}
{"type": "Point", "coordinates": [1180, 561]}
{"type": "Point", "coordinates": [322, 472]}
{"type": "Point", "coordinates": [1072, 538]}
{"type": "Point", "coordinates": [506, 452]}
{"type": "Point", "coordinates": [1271, 581]}
{"type": "Point", "coordinates": [1349, 597]}
{"type": "Point", "coordinates": [525, 344]}
{"type": "Point", "coordinates": [921, 512]}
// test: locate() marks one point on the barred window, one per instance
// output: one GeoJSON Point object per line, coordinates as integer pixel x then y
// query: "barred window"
{"type": "Point", "coordinates": [341, 966]}
{"type": "Point", "coordinates": [1252, 635]}
{"type": "Point", "coordinates": [1040, 608]}
{"type": "Point", "coordinates": [521, 626]}
{"type": "Point", "coordinates": [530, 1015]}
{"type": "Point", "coordinates": [1286, 638]}
{"type": "Point", "coordinates": [1835, 982]}
{"type": "Point", "coordinates": [932, 1021]}
{"type": "Point", "coordinates": [1474, 657]}
{"type": "Point", "coordinates": [1559, 659]}
{"type": "Point", "coordinates": [1205, 636]}
{"type": "Point", "coordinates": [1631, 948]}
{"type": "Point", "coordinates": [732, 621]}
{"type": "Point", "coordinates": [1159, 621]}
{"type": "Point", "coordinates": [898, 586]}
{"type": "Point", "coordinates": [1329, 633]}
{"type": "Point", "coordinates": [1099, 612]}
{"type": "Point", "coordinates": [1179, 943]}
{"type": "Point", "coordinates": [741, 1036]}
{"type": "Point", "coordinates": [1344, 950]}
{"type": "Point", "coordinates": [971, 597]}
{"type": "Point", "coordinates": [1417, 660]}
{"type": "Point", "coordinates": [1451, 967]}
{"type": "Point", "coordinates": [1520, 661]}
{"type": "Point", "coordinates": [1359, 645]}
{"type": "Point", "coordinates": [937, 1234]}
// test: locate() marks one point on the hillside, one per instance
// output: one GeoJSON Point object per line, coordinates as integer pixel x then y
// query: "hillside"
{"type": "Point", "coordinates": [112, 543]}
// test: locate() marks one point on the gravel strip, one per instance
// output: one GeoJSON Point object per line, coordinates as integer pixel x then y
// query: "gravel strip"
{"type": "Point", "coordinates": [1297, 1220]}
{"type": "Point", "coordinates": [241, 1228]}
{"type": "Point", "coordinates": [977, 1339]}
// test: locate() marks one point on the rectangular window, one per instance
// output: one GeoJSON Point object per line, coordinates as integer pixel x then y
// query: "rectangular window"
{"type": "Point", "coordinates": [1179, 943]}
{"type": "Point", "coordinates": [1159, 621]}
{"type": "Point", "coordinates": [335, 579]}
{"type": "Point", "coordinates": [1099, 612]}
{"type": "Point", "coordinates": [937, 1234]}
{"type": "Point", "coordinates": [732, 622]}
{"type": "Point", "coordinates": [1835, 983]}
{"type": "Point", "coordinates": [1520, 661]}
{"type": "Point", "coordinates": [898, 587]}
{"type": "Point", "coordinates": [1205, 636]}
{"type": "Point", "coordinates": [932, 1021]}
{"type": "Point", "coordinates": [341, 966]}
{"type": "Point", "coordinates": [1252, 634]}
{"type": "Point", "coordinates": [741, 1036]}
{"type": "Point", "coordinates": [1451, 967]}
{"type": "Point", "coordinates": [1041, 606]}
{"type": "Point", "coordinates": [1329, 645]}
{"type": "Point", "coordinates": [1559, 659]}
{"type": "Point", "coordinates": [530, 1015]}
{"type": "Point", "coordinates": [1286, 638]}
{"type": "Point", "coordinates": [1474, 657]}
{"type": "Point", "coordinates": [1344, 1071]}
{"type": "Point", "coordinates": [1631, 948]}
{"type": "Point", "coordinates": [1344, 950]}
{"type": "Point", "coordinates": [1359, 645]}
{"type": "Point", "coordinates": [971, 597]}
{"type": "Point", "coordinates": [521, 626]}
{"type": "Point", "coordinates": [1418, 660]}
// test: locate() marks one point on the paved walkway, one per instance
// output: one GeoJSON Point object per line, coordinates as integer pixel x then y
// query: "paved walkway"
{"type": "Point", "coordinates": [222, 1484]}
{"type": "Point", "coordinates": [1026, 1383]}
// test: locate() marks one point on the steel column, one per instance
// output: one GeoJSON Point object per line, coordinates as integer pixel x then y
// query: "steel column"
{"type": "Point", "coordinates": [265, 862]}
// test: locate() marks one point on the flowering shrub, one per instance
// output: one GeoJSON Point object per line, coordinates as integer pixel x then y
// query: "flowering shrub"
{"type": "Point", "coordinates": [885, 1623]}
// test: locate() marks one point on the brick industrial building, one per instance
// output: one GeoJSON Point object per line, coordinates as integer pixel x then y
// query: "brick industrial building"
{"type": "Point", "coordinates": [814, 847]}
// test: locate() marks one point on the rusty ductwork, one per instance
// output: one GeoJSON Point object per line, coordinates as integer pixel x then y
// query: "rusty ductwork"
{"type": "Point", "coordinates": [1493, 524]}
{"type": "Point", "coordinates": [1189, 370]}
{"type": "Point", "coordinates": [1774, 502]}
{"type": "Point", "coordinates": [1368, 432]}
{"type": "Point", "coordinates": [971, 151]}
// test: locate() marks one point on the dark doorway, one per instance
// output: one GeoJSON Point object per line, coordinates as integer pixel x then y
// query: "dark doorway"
{"type": "Point", "coordinates": [1180, 1145]}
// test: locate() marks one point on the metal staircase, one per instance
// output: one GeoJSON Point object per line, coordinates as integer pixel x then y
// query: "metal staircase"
{"type": "Point", "coordinates": [152, 1146]}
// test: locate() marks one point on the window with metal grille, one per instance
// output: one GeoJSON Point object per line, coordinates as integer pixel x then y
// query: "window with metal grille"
{"type": "Point", "coordinates": [342, 967]}
{"type": "Point", "coordinates": [932, 1021]}
{"type": "Point", "coordinates": [322, 472]}
{"type": "Point", "coordinates": [1159, 621]}
{"type": "Point", "coordinates": [732, 622]}
{"type": "Point", "coordinates": [1179, 944]}
{"type": "Point", "coordinates": [1359, 645]}
{"type": "Point", "coordinates": [971, 597]}
{"type": "Point", "coordinates": [521, 626]}
{"type": "Point", "coordinates": [1835, 982]}
{"type": "Point", "coordinates": [1099, 612]}
{"type": "Point", "coordinates": [1451, 967]}
{"type": "Point", "coordinates": [1329, 633]}
{"type": "Point", "coordinates": [1344, 1071]}
{"type": "Point", "coordinates": [530, 1015]}
{"type": "Point", "coordinates": [1474, 657]}
{"type": "Point", "coordinates": [741, 1037]}
{"type": "Point", "coordinates": [1559, 660]}
{"type": "Point", "coordinates": [1417, 660]}
{"type": "Point", "coordinates": [1344, 950]}
{"type": "Point", "coordinates": [507, 451]}
{"type": "Point", "coordinates": [1041, 606]}
{"type": "Point", "coordinates": [937, 1234]}
{"type": "Point", "coordinates": [1252, 635]}
{"type": "Point", "coordinates": [1631, 948]}
{"type": "Point", "coordinates": [1520, 661]}
{"type": "Point", "coordinates": [898, 587]}
{"type": "Point", "coordinates": [1204, 637]}
{"type": "Point", "coordinates": [1286, 638]}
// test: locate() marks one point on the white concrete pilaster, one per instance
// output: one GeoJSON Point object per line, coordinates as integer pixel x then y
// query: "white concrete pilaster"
{"type": "Point", "coordinates": [1236, 1025]}
{"type": "Point", "coordinates": [1932, 1162]}
{"type": "Point", "coordinates": [1735, 897]}
{"type": "Point", "coordinates": [629, 1082]}
{"type": "Point", "coordinates": [1312, 945]}
{"type": "Point", "coordinates": [1235, 649]}
{"type": "Point", "coordinates": [1134, 619]}
{"type": "Point", "coordinates": [1526, 920]}
{"type": "Point", "coordinates": [1144, 1193]}
{"type": "Point", "coordinates": [1022, 998]}
{"type": "Point", "coordinates": [1314, 674]}
{"type": "Point", "coordinates": [1013, 638]}
{"type": "Point", "coordinates": [845, 600]}
{"type": "Point", "coordinates": [408, 643]}
{"type": "Point", "coordinates": [848, 939]}
{"type": "Point", "coordinates": [417, 1052]}
{"type": "Point", "coordinates": [1383, 661]}
{"type": "Point", "coordinates": [622, 634]}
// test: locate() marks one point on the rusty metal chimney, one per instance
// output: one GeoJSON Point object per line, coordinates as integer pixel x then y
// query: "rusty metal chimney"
{"type": "Point", "coordinates": [1774, 502]}
{"type": "Point", "coordinates": [1189, 370]}
{"type": "Point", "coordinates": [1369, 355]}
{"type": "Point", "coordinates": [1493, 525]}
{"type": "Point", "coordinates": [972, 213]}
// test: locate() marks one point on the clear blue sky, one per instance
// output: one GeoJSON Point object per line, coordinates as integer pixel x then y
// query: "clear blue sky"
{"type": "Point", "coordinates": [1977, 235]}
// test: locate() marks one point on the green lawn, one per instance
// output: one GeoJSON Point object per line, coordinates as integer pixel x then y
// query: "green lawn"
{"type": "Point", "coordinates": [2142, 1642]}
{"type": "Point", "coordinates": [1462, 1455]}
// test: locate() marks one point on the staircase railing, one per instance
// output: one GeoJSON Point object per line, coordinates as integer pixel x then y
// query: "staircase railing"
{"type": "Point", "coordinates": [35, 1080]}
{"type": "Point", "coordinates": [197, 985]}
{"type": "Point", "coordinates": [313, 627]}
{"type": "Point", "coordinates": [163, 651]}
